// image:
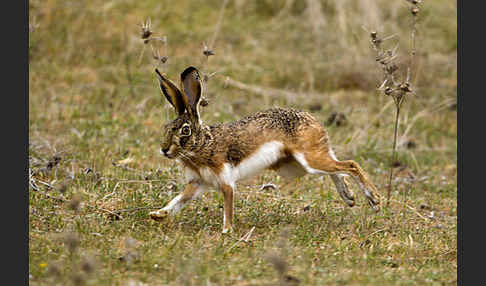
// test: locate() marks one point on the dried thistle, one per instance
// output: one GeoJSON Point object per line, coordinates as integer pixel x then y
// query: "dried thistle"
{"type": "Point", "coordinates": [414, 10]}
{"type": "Point", "coordinates": [53, 162]}
{"type": "Point", "coordinates": [156, 56]}
{"type": "Point", "coordinates": [131, 254]}
{"type": "Point", "coordinates": [54, 269]}
{"type": "Point", "coordinates": [278, 262]}
{"type": "Point", "coordinates": [130, 257]}
{"type": "Point", "coordinates": [71, 241]}
{"type": "Point", "coordinates": [206, 77]}
{"type": "Point", "coordinates": [147, 35]}
{"type": "Point", "coordinates": [78, 279]}
{"type": "Point", "coordinates": [63, 187]}
{"type": "Point", "coordinates": [207, 51]}
{"type": "Point", "coordinates": [397, 89]}
{"type": "Point", "coordinates": [75, 202]}
{"type": "Point", "coordinates": [88, 264]}
{"type": "Point", "coordinates": [129, 242]}
{"type": "Point", "coordinates": [33, 25]}
{"type": "Point", "coordinates": [146, 30]}
{"type": "Point", "coordinates": [415, 2]}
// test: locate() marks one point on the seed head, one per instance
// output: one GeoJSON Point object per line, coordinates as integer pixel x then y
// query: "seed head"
{"type": "Point", "coordinates": [391, 68]}
{"type": "Point", "coordinates": [53, 162]}
{"type": "Point", "coordinates": [146, 32]}
{"type": "Point", "coordinates": [207, 52]}
{"type": "Point", "coordinates": [376, 42]}
{"type": "Point", "coordinates": [405, 87]}
{"type": "Point", "coordinates": [164, 59]}
{"type": "Point", "coordinates": [414, 10]}
{"type": "Point", "coordinates": [415, 2]}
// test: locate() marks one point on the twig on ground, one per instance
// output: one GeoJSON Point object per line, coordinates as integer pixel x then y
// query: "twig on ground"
{"type": "Point", "coordinates": [371, 234]}
{"type": "Point", "coordinates": [411, 208]}
{"type": "Point", "coordinates": [245, 238]}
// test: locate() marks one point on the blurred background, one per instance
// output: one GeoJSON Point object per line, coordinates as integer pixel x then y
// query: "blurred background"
{"type": "Point", "coordinates": [88, 61]}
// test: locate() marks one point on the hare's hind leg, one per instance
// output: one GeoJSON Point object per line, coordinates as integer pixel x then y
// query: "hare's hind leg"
{"type": "Point", "coordinates": [342, 189]}
{"type": "Point", "coordinates": [192, 191]}
{"type": "Point", "coordinates": [341, 185]}
{"type": "Point", "coordinates": [322, 161]}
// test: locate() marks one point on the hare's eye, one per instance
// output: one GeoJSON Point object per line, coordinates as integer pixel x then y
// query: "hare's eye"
{"type": "Point", "coordinates": [186, 131]}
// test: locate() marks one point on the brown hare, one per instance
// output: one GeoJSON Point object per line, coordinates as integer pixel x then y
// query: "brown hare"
{"type": "Point", "coordinates": [285, 140]}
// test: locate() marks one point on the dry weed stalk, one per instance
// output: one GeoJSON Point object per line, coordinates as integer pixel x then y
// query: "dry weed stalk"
{"type": "Point", "coordinates": [147, 35]}
{"type": "Point", "coordinates": [279, 262]}
{"type": "Point", "coordinates": [391, 86]}
{"type": "Point", "coordinates": [208, 50]}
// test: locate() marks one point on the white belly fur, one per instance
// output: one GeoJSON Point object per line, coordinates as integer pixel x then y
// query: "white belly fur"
{"type": "Point", "coordinates": [264, 157]}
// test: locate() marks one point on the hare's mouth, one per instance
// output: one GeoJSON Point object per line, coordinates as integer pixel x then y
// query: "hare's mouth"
{"type": "Point", "coordinates": [167, 153]}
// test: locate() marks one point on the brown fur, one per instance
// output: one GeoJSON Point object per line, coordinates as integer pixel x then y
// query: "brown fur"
{"type": "Point", "coordinates": [201, 147]}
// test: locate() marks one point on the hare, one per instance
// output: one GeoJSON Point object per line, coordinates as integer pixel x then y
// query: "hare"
{"type": "Point", "coordinates": [285, 140]}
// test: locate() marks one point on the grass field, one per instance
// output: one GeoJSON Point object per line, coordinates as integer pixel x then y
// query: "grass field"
{"type": "Point", "coordinates": [95, 115]}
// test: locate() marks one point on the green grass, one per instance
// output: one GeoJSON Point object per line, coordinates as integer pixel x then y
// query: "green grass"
{"type": "Point", "coordinates": [92, 104]}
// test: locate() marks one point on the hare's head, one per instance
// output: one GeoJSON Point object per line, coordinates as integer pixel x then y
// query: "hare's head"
{"type": "Point", "coordinates": [181, 134]}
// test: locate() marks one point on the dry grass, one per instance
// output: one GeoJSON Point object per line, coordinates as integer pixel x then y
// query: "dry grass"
{"type": "Point", "coordinates": [96, 112]}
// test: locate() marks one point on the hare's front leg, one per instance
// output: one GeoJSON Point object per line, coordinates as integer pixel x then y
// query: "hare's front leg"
{"type": "Point", "coordinates": [227, 191]}
{"type": "Point", "coordinates": [192, 191]}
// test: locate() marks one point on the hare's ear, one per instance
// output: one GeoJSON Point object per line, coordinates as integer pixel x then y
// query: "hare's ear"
{"type": "Point", "coordinates": [192, 89]}
{"type": "Point", "coordinates": [171, 92]}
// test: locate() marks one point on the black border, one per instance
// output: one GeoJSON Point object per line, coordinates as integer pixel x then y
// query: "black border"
{"type": "Point", "coordinates": [14, 23]}
{"type": "Point", "coordinates": [470, 189]}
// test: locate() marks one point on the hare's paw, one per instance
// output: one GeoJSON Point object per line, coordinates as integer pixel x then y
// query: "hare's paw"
{"type": "Point", "coordinates": [374, 203]}
{"type": "Point", "coordinates": [159, 215]}
{"type": "Point", "coordinates": [349, 201]}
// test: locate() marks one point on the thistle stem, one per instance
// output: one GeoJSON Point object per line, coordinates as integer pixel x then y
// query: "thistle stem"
{"type": "Point", "coordinates": [395, 132]}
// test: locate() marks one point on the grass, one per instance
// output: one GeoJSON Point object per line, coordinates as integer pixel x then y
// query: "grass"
{"type": "Point", "coordinates": [93, 105]}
